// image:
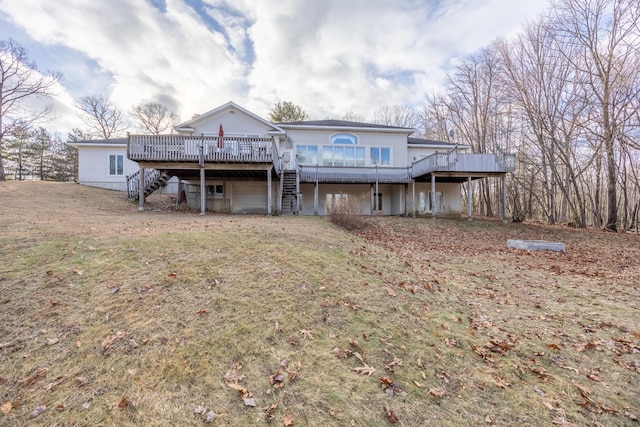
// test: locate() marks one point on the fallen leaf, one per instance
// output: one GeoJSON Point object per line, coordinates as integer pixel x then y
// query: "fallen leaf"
{"type": "Point", "coordinates": [61, 407]}
{"type": "Point", "coordinates": [210, 417]}
{"type": "Point", "coordinates": [234, 376]}
{"type": "Point", "coordinates": [277, 379]}
{"type": "Point", "coordinates": [38, 411]}
{"type": "Point", "coordinates": [340, 354]}
{"type": "Point", "coordinates": [6, 407]}
{"type": "Point", "coordinates": [82, 381]}
{"type": "Point", "coordinates": [288, 420]}
{"type": "Point", "coordinates": [202, 312]}
{"type": "Point", "coordinates": [391, 417]}
{"type": "Point", "coordinates": [124, 403]}
{"type": "Point", "coordinates": [172, 275]}
{"type": "Point", "coordinates": [306, 334]}
{"type": "Point", "coordinates": [78, 343]}
{"type": "Point", "coordinates": [364, 370]}
{"type": "Point", "coordinates": [437, 392]}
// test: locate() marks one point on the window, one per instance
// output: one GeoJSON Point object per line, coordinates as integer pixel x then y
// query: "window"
{"type": "Point", "coordinates": [344, 138]}
{"type": "Point", "coordinates": [116, 164]}
{"type": "Point", "coordinates": [342, 156]}
{"type": "Point", "coordinates": [307, 154]}
{"type": "Point", "coordinates": [425, 202]}
{"type": "Point", "coordinates": [216, 190]}
{"type": "Point", "coordinates": [380, 155]}
{"type": "Point", "coordinates": [377, 201]}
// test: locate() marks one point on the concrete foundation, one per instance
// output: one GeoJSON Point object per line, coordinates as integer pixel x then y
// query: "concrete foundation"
{"type": "Point", "coordinates": [536, 245]}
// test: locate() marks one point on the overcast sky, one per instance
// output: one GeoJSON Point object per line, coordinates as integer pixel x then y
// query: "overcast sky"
{"type": "Point", "coordinates": [328, 56]}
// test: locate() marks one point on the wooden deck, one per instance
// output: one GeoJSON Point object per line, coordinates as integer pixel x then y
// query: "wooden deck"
{"type": "Point", "coordinates": [198, 149]}
{"type": "Point", "coordinates": [464, 163]}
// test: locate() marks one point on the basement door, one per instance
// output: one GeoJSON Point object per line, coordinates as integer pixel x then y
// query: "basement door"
{"type": "Point", "coordinates": [249, 198]}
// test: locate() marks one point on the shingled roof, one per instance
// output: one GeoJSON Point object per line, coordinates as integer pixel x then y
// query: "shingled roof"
{"type": "Point", "coordinates": [111, 141]}
{"type": "Point", "coordinates": [340, 124]}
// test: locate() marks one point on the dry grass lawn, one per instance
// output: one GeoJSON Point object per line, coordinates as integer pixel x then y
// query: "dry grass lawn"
{"type": "Point", "coordinates": [109, 316]}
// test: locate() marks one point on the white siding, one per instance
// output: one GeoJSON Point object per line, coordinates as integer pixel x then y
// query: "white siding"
{"type": "Point", "coordinates": [93, 167]}
{"type": "Point", "coordinates": [232, 123]}
{"type": "Point", "coordinates": [249, 197]}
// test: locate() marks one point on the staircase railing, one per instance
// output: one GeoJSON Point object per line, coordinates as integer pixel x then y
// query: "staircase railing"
{"type": "Point", "coordinates": [133, 182]}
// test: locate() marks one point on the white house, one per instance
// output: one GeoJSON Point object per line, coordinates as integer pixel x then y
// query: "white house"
{"type": "Point", "coordinates": [103, 163]}
{"type": "Point", "coordinates": [231, 160]}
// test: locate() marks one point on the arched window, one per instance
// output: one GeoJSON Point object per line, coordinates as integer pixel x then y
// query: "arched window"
{"type": "Point", "coordinates": [344, 138]}
{"type": "Point", "coordinates": [339, 154]}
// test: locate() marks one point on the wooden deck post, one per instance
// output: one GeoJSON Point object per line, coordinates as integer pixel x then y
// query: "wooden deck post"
{"type": "Point", "coordinates": [433, 196]}
{"type": "Point", "coordinates": [469, 199]}
{"type": "Point", "coordinates": [371, 201]}
{"type": "Point", "coordinates": [269, 192]}
{"type": "Point", "coordinates": [504, 198]}
{"type": "Point", "coordinates": [413, 197]}
{"type": "Point", "coordinates": [203, 192]}
{"type": "Point", "coordinates": [406, 206]}
{"type": "Point", "coordinates": [315, 194]}
{"type": "Point", "coordinates": [141, 190]}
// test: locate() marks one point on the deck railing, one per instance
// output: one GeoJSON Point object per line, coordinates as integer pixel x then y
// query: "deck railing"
{"type": "Point", "coordinates": [340, 174]}
{"type": "Point", "coordinates": [133, 181]}
{"type": "Point", "coordinates": [452, 161]}
{"type": "Point", "coordinates": [180, 148]}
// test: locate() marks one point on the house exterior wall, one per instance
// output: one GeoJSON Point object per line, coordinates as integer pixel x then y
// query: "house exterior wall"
{"type": "Point", "coordinates": [93, 167]}
{"type": "Point", "coordinates": [393, 198]}
{"type": "Point", "coordinates": [234, 123]}
{"type": "Point", "coordinates": [240, 197]}
{"type": "Point", "coordinates": [397, 142]}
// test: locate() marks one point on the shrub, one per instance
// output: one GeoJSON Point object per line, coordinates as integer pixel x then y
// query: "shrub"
{"type": "Point", "coordinates": [349, 211]}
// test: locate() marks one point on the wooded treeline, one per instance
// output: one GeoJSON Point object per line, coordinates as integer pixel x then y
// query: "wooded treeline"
{"type": "Point", "coordinates": [564, 96]}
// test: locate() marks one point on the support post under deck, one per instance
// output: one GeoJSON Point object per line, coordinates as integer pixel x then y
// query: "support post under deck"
{"type": "Point", "coordinates": [469, 199]}
{"type": "Point", "coordinates": [504, 199]}
{"type": "Point", "coordinates": [269, 197]}
{"type": "Point", "coordinates": [203, 192]}
{"type": "Point", "coordinates": [141, 190]}
{"type": "Point", "coordinates": [433, 196]}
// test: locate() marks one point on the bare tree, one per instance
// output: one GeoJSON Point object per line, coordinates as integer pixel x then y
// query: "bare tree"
{"type": "Point", "coordinates": [20, 81]}
{"type": "Point", "coordinates": [397, 115]}
{"type": "Point", "coordinates": [603, 38]}
{"type": "Point", "coordinates": [103, 117]}
{"type": "Point", "coordinates": [350, 116]}
{"type": "Point", "coordinates": [539, 82]}
{"type": "Point", "coordinates": [476, 101]}
{"type": "Point", "coordinates": [154, 118]}
{"type": "Point", "coordinates": [435, 118]}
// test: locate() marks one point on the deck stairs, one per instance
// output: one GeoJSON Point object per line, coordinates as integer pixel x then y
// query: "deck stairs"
{"type": "Point", "coordinates": [153, 179]}
{"type": "Point", "coordinates": [290, 191]}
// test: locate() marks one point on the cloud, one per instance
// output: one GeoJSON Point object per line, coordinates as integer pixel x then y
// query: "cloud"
{"type": "Point", "coordinates": [329, 56]}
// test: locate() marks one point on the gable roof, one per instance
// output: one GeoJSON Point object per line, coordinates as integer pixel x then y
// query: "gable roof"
{"type": "Point", "coordinates": [343, 124]}
{"type": "Point", "coordinates": [188, 126]}
{"type": "Point", "coordinates": [99, 142]}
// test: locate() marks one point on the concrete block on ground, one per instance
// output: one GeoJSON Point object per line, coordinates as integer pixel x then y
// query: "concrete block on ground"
{"type": "Point", "coordinates": [536, 245]}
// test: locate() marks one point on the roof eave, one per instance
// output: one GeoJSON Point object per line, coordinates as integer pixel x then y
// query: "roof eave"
{"type": "Point", "coordinates": [350, 128]}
